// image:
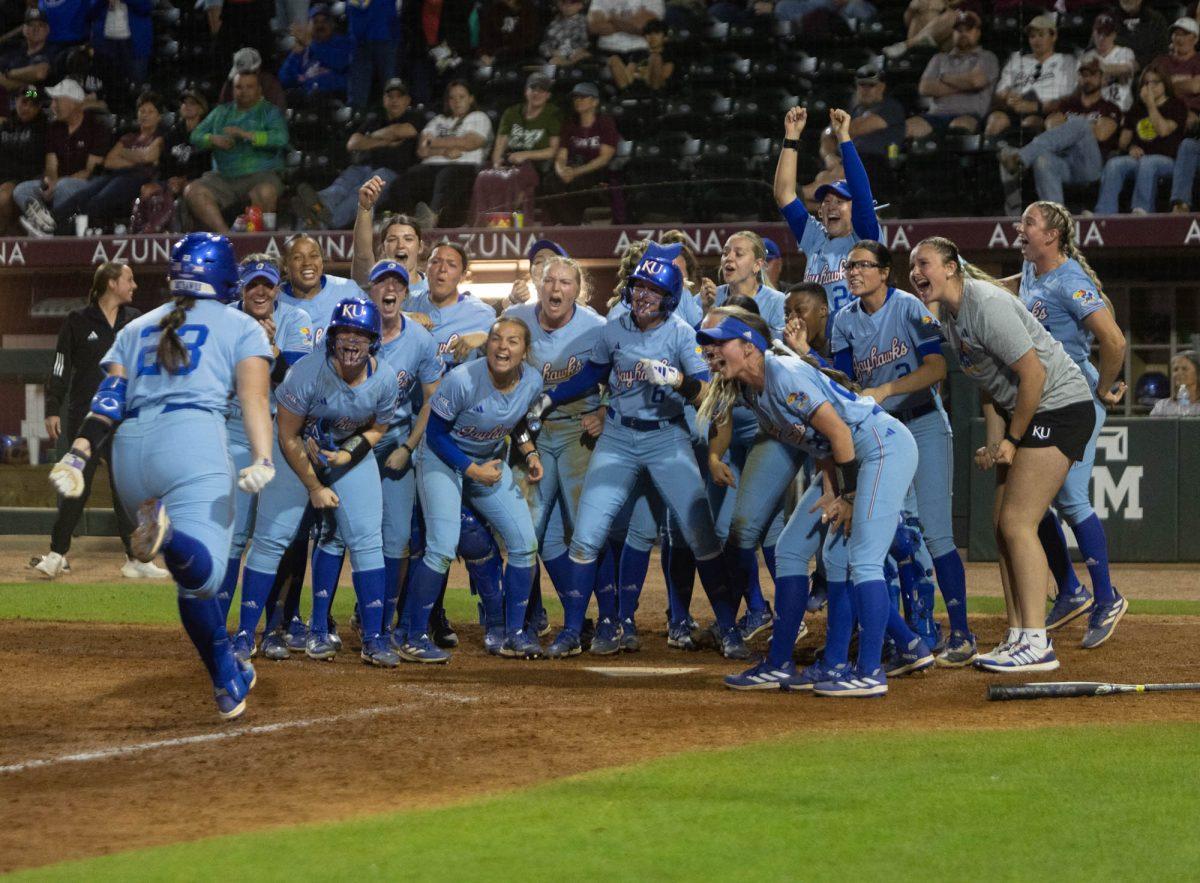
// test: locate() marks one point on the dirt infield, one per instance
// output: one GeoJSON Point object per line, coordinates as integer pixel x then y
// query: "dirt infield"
{"type": "Point", "coordinates": [429, 735]}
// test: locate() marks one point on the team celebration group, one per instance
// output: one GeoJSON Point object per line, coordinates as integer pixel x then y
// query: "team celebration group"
{"type": "Point", "coordinates": [400, 420]}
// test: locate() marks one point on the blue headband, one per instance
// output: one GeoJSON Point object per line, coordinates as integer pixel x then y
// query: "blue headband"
{"type": "Point", "coordinates": [731, 328]}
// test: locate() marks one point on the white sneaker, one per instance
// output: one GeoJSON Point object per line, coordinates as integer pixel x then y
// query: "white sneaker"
{"type": "Point", "coordinates": [133, 569]}
{"type": "Point", "coordinates": [1020, 657]}
{"type": "Point", "coordinates": [51, 565]}
{"type": "Point", "coordinates": [1000, 650]}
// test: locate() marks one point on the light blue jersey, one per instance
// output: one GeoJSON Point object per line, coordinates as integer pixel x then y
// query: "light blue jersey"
{"type": "Point", "coordinates": [463, 316]}
{"type": "Point", "coordinates": [825, 258]}
{"type": "Point", "coordinates": [887, 344]}
{"type": "Point", "coordinates": [216, 338]}
{"type": "Point", "coordinates": [770, 306]}
{"type": "Point", "coordinates": [689, 309]}
{"type": "Point", "coordinates": [313, 389]}
{"type": "Point", "coordinates": [1061, 300]}
{"type": "Point", "coordinates": [419, 286]}
{"type": "Point", "coordinates": [562, 353]}
{"type": "Point", "coordinates": [320, 306]}
{"type": "Point", "coordinates": [294, 337]}
{"type": "Point", "coordinates": [412, 354]}
{"type": "Point", "coordinates": [777, 406]}
{"type": "Point", "coordinates": [480, 414]}
{"type": "Point", "coordinates": [622, 344]}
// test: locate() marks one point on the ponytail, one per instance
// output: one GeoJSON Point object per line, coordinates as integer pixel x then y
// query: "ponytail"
{"type": "Point", "coordinates": [172, 354]}
{"type": "Point", "coordinates": [950, 255]}
{"type": "Point", "coordinates": [106, 274]}
{"type": "Point", "coordinates": [1058, 217]}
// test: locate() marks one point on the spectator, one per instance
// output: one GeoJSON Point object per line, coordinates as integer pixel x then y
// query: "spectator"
{"type": "Point", "coordinates": [526, 142]}
{"type": "Point", "coordinates": [241, 23]}
{"type": "Point", "coordinates": [876, 125]}
{"type": "Point", "coordinates": [68, 21]}
{"type": "Point", "coordinates": [180, 163]}
{"type": "Point", "coordinates": [1182, 65]}
{"type": "Point", "coordinates": [1117, 63]}
{"type": "Point", "coordinates": [248, 60]}
{"type": "Point", "coordinates": [384, 146]}
{"type": "Point", "coordinates": [1150, 136]}
{"type": "Point", "coordinates": [29, 63]}
{"type": "Point", "coordinates": [651, 69]}
{"type": "Point", "coordinates": [1031, 85]}
{"type": "Point", "coordinates": [618, 25]}
{"type": "Point", "coordinates": [247, 139]}
{"type": "Point", "coordinates": [22, 151]}
{"type": "Point", "coordinates": [928, 23]}
{"type": "Point", "coordinates": [798, 10]}
{"type": "Point", "coordinates": [1078, 138]}
{"type": "Point", "coordinates": [75, 147]}
{"type": "Point", "coordinates": [1143, 30]}
{"type": "Point", "coordinates": [123, 35]}
{"type": "Point", "coordinates": [1185, 376]}
{"type": "Point", "coordinates": [79, 64]}
{"type": "Point", "coordinates": [451, 149]}
{"type": "Point", "coordinates": [508, 31]}
{"type": "Point", "coordinates": [320, 60]}
{"type": "Point", "coordinates": [437, 37]}
{"type": "Point", "coordinates": [375, 30]}
{"type": "Point", "coordinates": [589, 143]}
{"type": "Point", "coordinates": [958, 83]}
{"type": "Point", "coordinates": [566, 42]}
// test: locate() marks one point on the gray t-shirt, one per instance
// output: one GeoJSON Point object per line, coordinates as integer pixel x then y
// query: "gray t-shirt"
{"type": "Point", "coordinates": [952, 63]}
{"type": "Point", "coordinates": [992, 331]}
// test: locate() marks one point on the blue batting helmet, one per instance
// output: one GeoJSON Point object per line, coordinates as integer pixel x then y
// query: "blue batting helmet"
{"type": "Point", "coordinates": [1152, 386]}
{"type": "Point", "coordinates": [657, 268]}
{"type": "Point", "coordinates": [355, 314]}
{"type": "Point", "coordinates": [203, 265]}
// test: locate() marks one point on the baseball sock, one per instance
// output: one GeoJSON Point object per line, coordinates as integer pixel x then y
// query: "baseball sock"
{"type": "Point", "coordinates": [769, 558]}
{"type": "Point", "coordinates": [714, 577]}
{"type": "Point", "coordinates": [897, 628]}
{"type": "Point", "coordinates": [188, 560]}
{"type": "Point", "coordinates": [535, 594]}
{"type": "Point", "coordinates": [201, 618]}
{"type": "Point", "coordinates": [871, 599]}
{"type": "Point", "coordinates": [952, 580]}
{"type": "Point", "coordinates": [1093, 545]}
{"type": "Point", "coordinates": [791, 600]}
{"type": "Point", "coordinates": [581, 578]}
{"type": "Point", "coordinates": [229, 584]}
{"type": "Point", "coordinates": [517, 582]}
{"type": "Point", "coordinates": [1054, 542]}
{"type": "Point", "coordinates": [255, 586]}
{"type": "Point", "coordinates": [747, 564]}
{"type": "Point", "coordinates": [392, 568]}
{"type": "Point", "coordinates": [369, 588]}
{"type": "Point", "coordinates": [326, 568]}
{"type": "Point", "coordinates": [423, 590]}
{"type": "Point", "coordinates": [679, 567]}
{"type": "Point", "coordinates": [486, 578]}
{"type": "Point", "coordinates": [559, 571]}
{"type": "Point", "coordinates": [607, 598]}
{"type": "Point", "coordinates": [632, 575]}
{"type": "Point", "coordinates": [840, 623]}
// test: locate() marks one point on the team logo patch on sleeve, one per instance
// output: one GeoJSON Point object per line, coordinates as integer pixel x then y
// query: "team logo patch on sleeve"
{"type": "Point", "coordinates": [1086, 296]}
{"type": "Point", "coordinates": [797, 398]}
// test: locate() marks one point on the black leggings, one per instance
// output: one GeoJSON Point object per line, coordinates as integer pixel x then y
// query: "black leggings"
{"type": "Point", "coordinates": [70, 509]}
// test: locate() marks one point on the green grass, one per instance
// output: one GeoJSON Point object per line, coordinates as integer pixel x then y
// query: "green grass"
{"type": "Point", "coordinates": [1078, 803]}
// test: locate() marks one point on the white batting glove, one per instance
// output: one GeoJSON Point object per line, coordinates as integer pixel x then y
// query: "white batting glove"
{"type": "Point", "coordinates": [661, 374]}
{"type": "Point", "coordinates": [254, 478]}
{"type": "Point", "coordinates": [540, 406]}
{"type": "Point", "coordinates": [67, 474]}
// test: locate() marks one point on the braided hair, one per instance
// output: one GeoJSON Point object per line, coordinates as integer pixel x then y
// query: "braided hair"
{"type": "Point", "coordinates": [172, 354]}
{"type": "Point", "coordinates": [1058, 217]}
{"type": "Point", "coordinates": [629, 261]}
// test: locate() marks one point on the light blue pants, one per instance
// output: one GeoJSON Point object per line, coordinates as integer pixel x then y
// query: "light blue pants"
{"type": "Point", "coordinates": [443, 492]}
{"type": "Point", "coordinates": [1066, 154]}
{"type": "Point", "coordinates": [244, 504]}
{"type": "Point", "coordinates": [181, 458]}
{"type": "Point", "coordinates": [554, 501]}
{"type": "Point", "coordinates": [624, 461]}
{"type": "Point", "coordinates": [1145, 172]}
{"type": "Point", "coordinates": [934, 481]}
{"type": "Point", "coordinates": [1074, 502]}
{"type": "Point", "coordinates": [768, 472]}
{"type": "Point", "coordinates": [341, 197]}
{"type": "Point", "coordinates": [359, 517]}
{"type": "Point", "coordinates": [399, 494]}
{"type": "Point", "coordinates": [1184, 177]}
{"type": "Point", "coordinates": [803, 536]}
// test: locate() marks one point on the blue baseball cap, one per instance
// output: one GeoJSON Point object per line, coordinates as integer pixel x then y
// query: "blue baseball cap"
{"type": "Point", "coordinates": [258, 270]}
{"type": "Point", "coordinates": [772, 249]}
{"type": "Point", "coordinates": [838, 188]}
{"type": "Point", "coordinates": [731, 328]}
{"type": "Point", "coordinates": [388, 268]}
{"type": "Point", "coordinates": [541, 244]}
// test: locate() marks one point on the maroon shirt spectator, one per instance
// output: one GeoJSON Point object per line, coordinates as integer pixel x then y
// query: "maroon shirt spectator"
{"type": "Point", "coordinates": [588, 144]}
{"type": "Point", "coordinates": [1102, 109]}
{"type": "Point", "coordinates": [1181, 65]}
{"type": "Point", "coordinates": [91, 138]}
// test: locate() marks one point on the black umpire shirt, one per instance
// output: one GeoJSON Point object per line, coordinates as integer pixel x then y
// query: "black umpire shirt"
{"type": "Point", "coordinates": [85, 337]}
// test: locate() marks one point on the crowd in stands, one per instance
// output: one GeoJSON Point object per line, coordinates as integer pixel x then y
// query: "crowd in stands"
{"type": "Point", "coordinates": [255, 114]}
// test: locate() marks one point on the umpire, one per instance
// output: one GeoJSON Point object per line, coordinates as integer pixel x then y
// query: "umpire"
{"type": "Point", "coordinates": [85, 337]}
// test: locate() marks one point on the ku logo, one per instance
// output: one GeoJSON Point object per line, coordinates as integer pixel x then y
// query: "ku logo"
{"type": "Point", "coordinates": [354, 311]}
{"type": "Point", "coordinates": [1041, 432]}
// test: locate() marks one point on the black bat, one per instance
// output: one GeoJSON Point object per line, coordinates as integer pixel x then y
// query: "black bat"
{"type": "Point", "coordinates": [1065, 689]}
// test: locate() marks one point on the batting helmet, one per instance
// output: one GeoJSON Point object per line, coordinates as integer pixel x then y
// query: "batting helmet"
{"type": "Point", "coordinates": [657, 268]}
{"type": "Point", "coordinates": [355, 314]}
{"type": "Point", "coordinates": [203, 265]}
{"type": "Point", "coordinates": [1152, 386]}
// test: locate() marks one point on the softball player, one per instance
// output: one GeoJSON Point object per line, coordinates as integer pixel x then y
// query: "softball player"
{"type": "Point", "coordinates": [398, 239]}
{"type": "Point", "coordinates": [652, 366]}
{"type": "Point", "coordinates": [170, 374]}
{"type": "Point", "coordinates": [1063, 293]}
{"type": "Point", "coordinates": [476, 406]}
{"type": "Point", "coordinates": [869, 449]}
{"type": "Point", "coordinates": [309, 287]}
{"type": "Point", "coordinates": [333, 407]}
{"type": "Point", "coordinates": [408, 350]}
{"type": "Point", "coordinates": [1039, 413]}
{"type": "Point", "coordinates": [891, 345]}
{"type": "Point", "coordinates": [846, 215]}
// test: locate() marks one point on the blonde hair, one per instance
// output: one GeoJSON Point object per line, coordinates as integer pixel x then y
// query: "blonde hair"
{"type": "Point", "coordinates": [583, 296]}
{"type": "Point", "coordinates": [759, 249]}
{"type": "Point", "coordinates": [629, 261]}
{"type": "Point", "coordinates": [950, 254]}
{"type": "Point", "coordinates": [677, 237]}
{"type": "Point", "coordinates": [1058, 217]}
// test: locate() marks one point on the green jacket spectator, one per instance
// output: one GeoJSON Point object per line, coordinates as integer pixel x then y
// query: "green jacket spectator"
{"type": "Point", "coordinates": [258, 136]}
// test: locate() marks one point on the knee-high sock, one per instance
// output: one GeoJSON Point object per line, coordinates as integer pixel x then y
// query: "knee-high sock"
{"type": "Point", "coordinates": [188, 560]}
{"type": "Point", "coordinates": [631, 576]}
{"type": "Point", "coordinates": [791, 600]}
{"type": "Point", "coordinates": [840, 623]}
{"type": "Point", "coordinates": [289, 580]}
{"type": "Point", "coordinates": [326, 568]}
{"type": "Point", "coordinates": [871, 599]}
{"type": "Point", "coordinates": [440, 601]}
{"type": "Point", "coordinates": [424, 586]}
{"type": "Point", "coordinates": [576, 592]}
{"type": "Point", "coordinates": [714, 577]}
{"type": "Point", "coordinates": [608, 602]}
{"type": "Point", "coordinates": [1093, 545]}
{"type": "Point", "coordinates": [486, 579]}
{"type": "Point", "coordinates": [608, 579]}
{"type": "Point", "coordinates": [1054, 543]}
{"type": "Point", "coordinates": [897, 629]}
{"type": "Point", "coordinates": [201, 618]}
{"type": "Point", "coordinates": [769, 558]}
{"type": "Point", "coordinates": [747, 560]}
{"type": "Point", "coordinates": [535, 593]}
{"type": "Point", "coordinates": [255, 586]}
{"type": "Point", "coordinates": [393, 569]}
{"type": "Point", "coordinates": [679, 567]}
{"type": "Point", "coordinates": [892, 577]}
{"type": "Point", "coordinates": [229, 585]}
{"type": "Point", "coordinates": [517, 582]}
{"type": "Point", "coordinates": [952, 580]}
{"type": "Point", "coordinates": [369, 589]}
{"type": "Point", "coordinates": [402, 624]}
{"type": "Point", "coordinates": [559, 571]}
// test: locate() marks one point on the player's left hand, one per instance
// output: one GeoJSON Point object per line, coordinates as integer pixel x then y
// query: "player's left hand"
{"type": "Point", "coordinates": [661, 374]}
{"type": "Point", "coordinates": [467, 344]}
{"type": "Point", "coordinates": [67, 474]}
{"type": "Point", "coordinates": [593, 422]}
{"type": "Point", "coordinates": [534, 469]}
{"type": "Point", "coordinates": [839, 120]}
{"type": "Point", "coordinates": [1003, 453]}
{"type": "Point", "coordinates": [256, 476]}
{"type": "Point", "coordinates": [983, 458]}
{"type": "Point", "coordinates": [1113, 397]}
{"type": "Point", "coordinates": [397, 460]}
{"type": "Point", "coordinates": [838, 515]}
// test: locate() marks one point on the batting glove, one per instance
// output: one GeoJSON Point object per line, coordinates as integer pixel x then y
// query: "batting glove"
{"type": "Point", "coordinates": [67, 474]}
{"type": "Point", "coordinates": [661, 374]}
{"type": "Point", "coordinates": [254, 478]}
{"type": "Point", "coordinates": [533, 417]}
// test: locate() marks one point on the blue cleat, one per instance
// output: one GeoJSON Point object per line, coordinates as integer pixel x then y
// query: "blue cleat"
{"type": "Point", "coordinates": [297, 635]}
{"type": "Point", "coordinates": [815, 674]}
{"type": "Point", "coordinates": [1102, 621]}
{"type": "Point", "coordinates": [755, 623]}
{"type": "Point", "coordinates": [320, 647]}
{"type": "Point", "coordinates": [521, 645]}
{"type": "Point", "coordinates": [376, 651]}
{"type": "Point", "coordinates": [607, 639]}
{"type": "Point", "coordinates": [243, 646]}
{"type": "Point", "coordinates": [396, 639]}
{"type": "Point", "coordinates": [851, 684]}
{"type": "Point", "coordinates": [566, 643]}
{"type": "Point", "coordinates": [334, 637]}
{"type": "Point", "coordinates": [960, 650]}
{"type": "Point", "coordinates": [763, 676]}
{"type": "Point", "coordinates": [910, 660]}
{"type": "Point", "coordinates": [539, 622]}
{"type": "Point", "coordinates": [1068, 606]}
{"type": "Point", "coordinates": [733, 645]}
{"type": "Point", "coordinates": [493, 639]}
{"type": "Point", "coordinates": [420, 648]}
{"type": "Point", "coordinates": [630, 642]}
{"type": "Point", "coordinates": [680, 636]}
{"type": "Point", "coordinates": [275, 646]}
{"type": "Point", "coordinates": [249, 675]}
{"type": "Point", "coordinates": [441, 631]}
